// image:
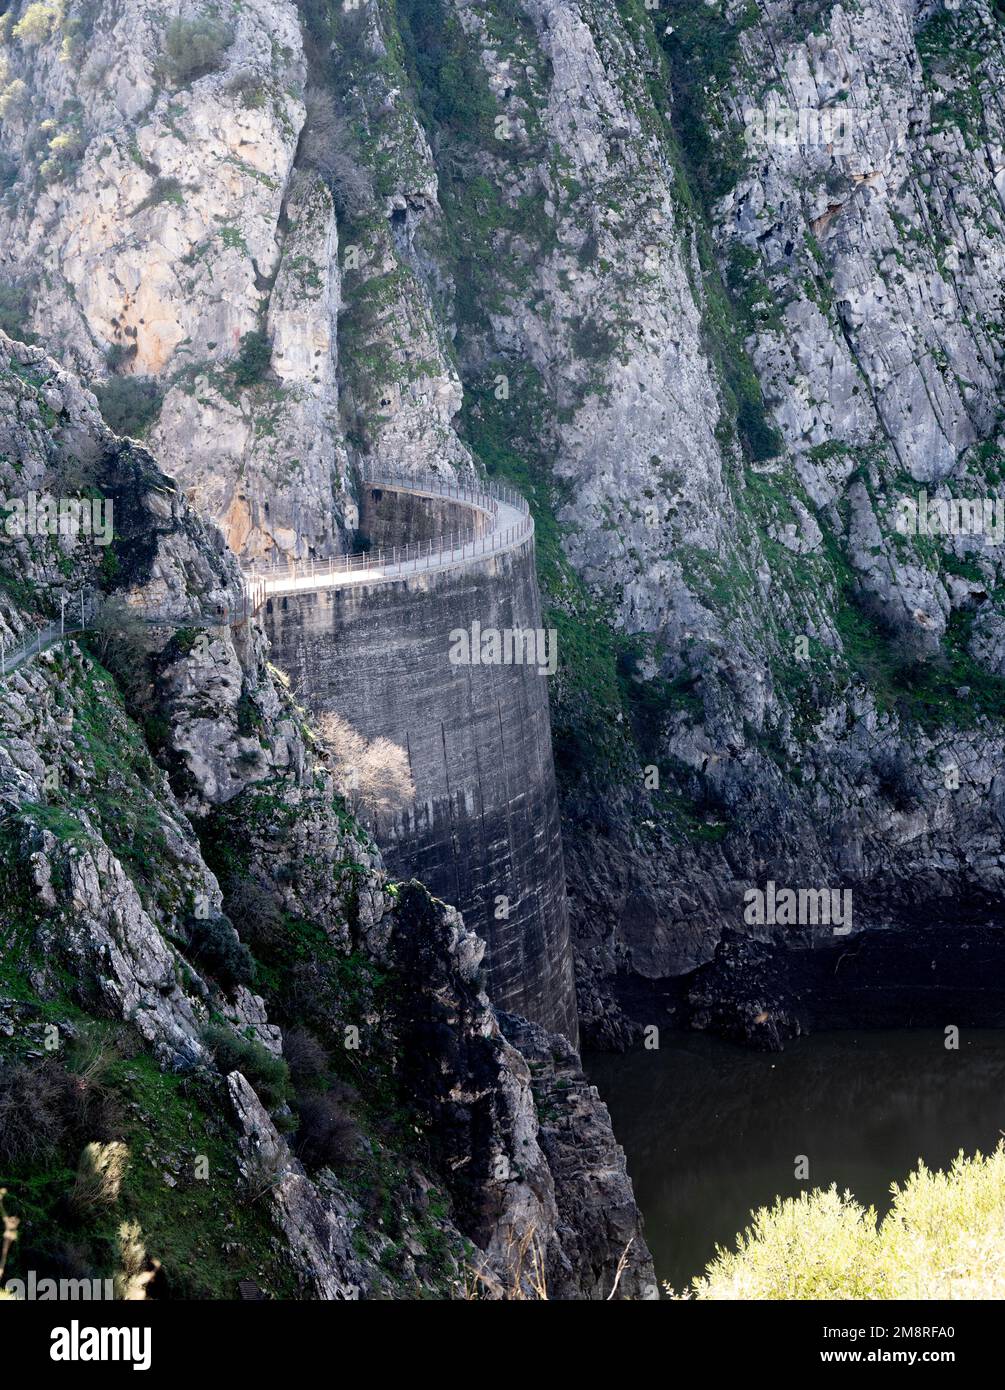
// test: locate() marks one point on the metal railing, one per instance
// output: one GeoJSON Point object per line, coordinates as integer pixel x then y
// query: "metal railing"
{"type": "Point", "coordinates": [392, 562]}
{"type": "Point", "coordinates": [263, 581]}
{"type": "Point", "coordinates": [222, 615]}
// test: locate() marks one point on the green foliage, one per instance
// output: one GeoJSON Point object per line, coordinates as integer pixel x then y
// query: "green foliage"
{"type": "Point", "coordinates": [195, 47]}
{"type": "Point", "coordinates": [13, 99]}
{"type": "Point", "coordinates": [10, 171]}
{"type": "Point", "coordinates": [943, 1238]}
{"type": "Point", "coordinates": [702, 45]}
{"type": "Point", "coordinates": [164, 190]}
{"type": "Point", "coordinates": [201, 1228]}
{"type": "Point", "coordinates": [37, 22]}
{"type": "Point", "coordinates": [215, 946]}
{"type": "Point", "coordinates": [253, 359]}
{"type": "Point", "coordinates": [15, 306]}
{"type": "Point", "coordinates": [129, 404]}
{"type": "Point", "coordinates": [587, 714]}
{"type": "Point", "coordinates": [269, 1075]}
{"type": "Point", "coordinates": [118, 355]}
{"type": "Point", "coordinates": [450, 81]}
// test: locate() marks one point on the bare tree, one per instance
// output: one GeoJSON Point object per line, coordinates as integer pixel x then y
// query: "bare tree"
{"type": "Point", "coordinates": [371, 775]}
{"type": "Point", "coordinates": [328, 146]}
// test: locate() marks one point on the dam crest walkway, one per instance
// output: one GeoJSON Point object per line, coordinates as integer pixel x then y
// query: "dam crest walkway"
{"type": "Point", "coordinates": [505, 525]}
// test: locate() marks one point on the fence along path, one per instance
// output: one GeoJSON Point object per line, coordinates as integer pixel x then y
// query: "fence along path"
{"type": "Point", "coordinates": [510, 526]}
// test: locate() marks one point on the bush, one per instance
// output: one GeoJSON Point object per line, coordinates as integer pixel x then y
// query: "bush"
{"type": "Point", "coordinates": [15, 306]}
{"type": "Point", "coordinates": [37, 23]}
{"type": "Point", "coordinates": [65, 149]}
{"type": "Point", "coordinates": [943, 1238]}
{"type": "Point", "coordinates": [46, 1109]}
{"type": "Point", "coordinates": [329, 147]}
{"type": "Point", "coordinates": [306, 1058]}
{"type": "Point", "coordinates": [119, 354]}
{"type": "Point", "coordinates": [129, 404]}
{"type": "Point", "coordinates": [10, 171]}
{"type": "Point", "coordinates": [253, 358]}
{"type": "Point", "coordinates": [255, 913]}
{"type": "Point", "coordinates": [13, 99]}
{"type": "Point", "coordinates": [214, 944]}
{"type": "Point", "coordinates": [118, 636]}
{"type": "Point", "coordinates": [195, 47]}
{"type": "Point", "coordinates": [327, 1136]}
{"type": "Point", "coordinates": [269, 1075]}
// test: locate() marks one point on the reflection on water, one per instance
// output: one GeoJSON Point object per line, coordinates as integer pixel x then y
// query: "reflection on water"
{"type": "Point", "coordinates": [712, 1130]}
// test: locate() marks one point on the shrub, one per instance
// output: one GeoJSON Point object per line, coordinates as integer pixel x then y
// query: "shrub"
{"type": "Point", "coordinates": [249, 88]}
{"type": "Point", "coordinates": [213, 943]}
{"type": "Point", "coordinates": [254, 911]}
{"type": "Point", "coordinates": [118, 634]}
{"type": "Point", "coordinates": [46, 1109]}
{"type": "Point", "coordinates": [195, 47]}
{"type": "Point", "coordinates": [37, 23]}
{"type": "Point", "coordinates": [119, 354]}
{"type": "Point", "coordinates": [306, 1059]}
{"type": "Point", "coordinates": [65, 149]}
{"type": "Point", "coordinates": [99, 1175]}
{"type": "Point", "coordinates": [129, 404]}
{"type": "Point", "coordinates": [164, 190]}
{"type": "Point", "coordinates": [15, 306]}
{"type": "Point", "coordinates": [328, 146]}
{"type": "Point", "coordinates": [327, 1136]}
{"type": "Point", "coordinates": [269, 1075]}
{"type": "Point", "coordinates": [944, 1237]}
{"type": "Point", "coordinates": [13, 99]}
{"type": "Point", "coordinates": [9, 172]}
{"type": "Point", "coordinates": [253, 358]}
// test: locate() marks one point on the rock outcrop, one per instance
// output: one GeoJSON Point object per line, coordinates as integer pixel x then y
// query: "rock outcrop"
{"type": "Point", "coordinates": [719, 285]}
{"type": "Point", "coordinates": [201, 945]}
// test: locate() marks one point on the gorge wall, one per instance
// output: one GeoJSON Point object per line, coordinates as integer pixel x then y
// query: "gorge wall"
{"type": "Point", "coordinates": [482, 829]}
{"type": "Point", "coordinates": [612, 253]}
{"type": "Point", "coordinates": [284, 1073]}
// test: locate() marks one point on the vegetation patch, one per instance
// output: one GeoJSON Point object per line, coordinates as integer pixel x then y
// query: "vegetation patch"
{"type": "Point", "coordinates": [943, 1238]}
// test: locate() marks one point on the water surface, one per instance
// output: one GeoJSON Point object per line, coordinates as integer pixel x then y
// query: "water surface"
{"type": "Point", "coordinates": [712, 1130]}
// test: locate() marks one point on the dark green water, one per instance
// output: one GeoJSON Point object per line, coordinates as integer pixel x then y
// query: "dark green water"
{"type": "Point", "coordinates": [712, 1130]}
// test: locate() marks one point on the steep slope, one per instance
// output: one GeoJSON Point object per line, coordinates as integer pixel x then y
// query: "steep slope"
{"type": "Point", "coordinates": [722, 355]}
{"type": "Point", "coordinates": [719, 287]}
{"type": "Point", "coordinates": [232, 1055]}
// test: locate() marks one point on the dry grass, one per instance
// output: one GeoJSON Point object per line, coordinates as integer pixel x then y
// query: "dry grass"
{"type": "Point", "coordinates": [99, 1175]}
{"type": "Point", "coordinates": [525, 1279]}
{"type": "Point", "coordinates": [136, 1269]}
{"type": "Point", "coordinates": [10, 1225]}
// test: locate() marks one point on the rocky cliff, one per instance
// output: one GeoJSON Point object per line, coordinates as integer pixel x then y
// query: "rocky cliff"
{"type": "Point", "coordinates": [233, 1057]}
{"type": "Point", "coordinates": [718, 285]}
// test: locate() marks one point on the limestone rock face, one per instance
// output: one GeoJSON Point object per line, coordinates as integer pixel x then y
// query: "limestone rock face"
{"type": "Point", "coordinates": [158, 818]}
{"type": "Point", "coordinates": [171, 228]}
{"type": "Point", "coordinates": [718, 284]}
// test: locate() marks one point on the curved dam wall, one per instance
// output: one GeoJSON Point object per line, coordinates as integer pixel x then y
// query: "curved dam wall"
{"type": "Point", "coordinates": [388, 516]}
{"type": "Point", "coordinates": [483, 830]}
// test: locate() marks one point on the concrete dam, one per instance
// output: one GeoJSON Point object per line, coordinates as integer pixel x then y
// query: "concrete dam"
{"type": "Point", "coordinates": [375, 639]}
